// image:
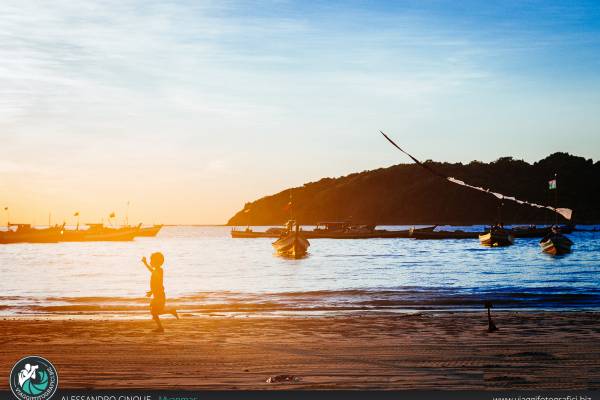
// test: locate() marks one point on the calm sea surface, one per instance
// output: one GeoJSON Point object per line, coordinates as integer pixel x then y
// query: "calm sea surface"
{"type": "Point", "coordinates": [208, 272]}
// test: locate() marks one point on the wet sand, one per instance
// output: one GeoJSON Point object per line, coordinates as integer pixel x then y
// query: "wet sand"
{"type": "Point", "coordinates": [542, 350]}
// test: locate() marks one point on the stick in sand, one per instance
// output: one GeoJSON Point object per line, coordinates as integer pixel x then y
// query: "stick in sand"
{"type": "Point", "coordinates": [491, 326]}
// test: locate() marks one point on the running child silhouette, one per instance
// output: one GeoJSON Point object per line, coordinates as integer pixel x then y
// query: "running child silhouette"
{"type": "Point", "coordinates": [157, 290]}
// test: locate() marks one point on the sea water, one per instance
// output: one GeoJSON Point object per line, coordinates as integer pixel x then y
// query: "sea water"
{"type": "Point", "coordinates": [208, 272]}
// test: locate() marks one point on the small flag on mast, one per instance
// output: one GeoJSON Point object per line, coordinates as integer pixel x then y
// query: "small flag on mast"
{"type": "Point", "coordinates": [552, 184]}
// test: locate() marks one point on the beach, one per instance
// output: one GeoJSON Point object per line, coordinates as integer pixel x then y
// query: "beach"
{"type": "Point", "coordinates": [382, 314]}
{"type": "Point", "coordinates": [427, 350]}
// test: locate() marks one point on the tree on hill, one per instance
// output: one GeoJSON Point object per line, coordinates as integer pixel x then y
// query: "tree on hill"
{"type": "Point", "coordinates": [408, 194]}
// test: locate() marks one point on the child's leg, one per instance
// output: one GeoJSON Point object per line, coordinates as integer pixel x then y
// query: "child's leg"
{"type": "Point", "coordinates": [159, 325]}
{"type": "Point", "coordinates": [172, 311]}
{"type": "Point", "coordinates": [156, 308]}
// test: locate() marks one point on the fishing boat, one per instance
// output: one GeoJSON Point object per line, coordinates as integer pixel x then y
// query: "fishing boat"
{"type": "Point", "coordinates": [25, 233]}
{"type": "Point", "coordinates": [533, 231]}
{"type": "Point", "coordinates": [100, 233]}
{"type": "Point", "coordinates": [556, 243]}
{"type": "Point", "coordinates": [149, 231]}
{"type": "Point", "coordinates": [292, 243]}
{"type": "Point", "coordinates": [248, 233]}
{"type": "Point", "coordinates": [496, 237]}
{"type": "Point", "coordinates": [344, 230]}
{"type": "Point", "coordinates": [438, 235]}
{"type": "Point", "coordinates": [351, 233]}
{"type": "Point", "coordinates": [530, 231]}
{"type": "Point", "coordinates": [342, 227]}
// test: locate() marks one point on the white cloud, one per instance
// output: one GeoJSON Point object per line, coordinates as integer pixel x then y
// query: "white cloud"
{"type": "Point", "coordinates": [162, 89]}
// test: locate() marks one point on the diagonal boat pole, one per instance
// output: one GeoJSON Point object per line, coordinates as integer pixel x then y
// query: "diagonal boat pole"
{"type": "Point", "coordinates": [565, 212]}
{"type": "Point", "coordinates": [413, 158]}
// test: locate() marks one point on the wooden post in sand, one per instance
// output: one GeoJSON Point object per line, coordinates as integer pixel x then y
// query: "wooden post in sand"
{"type": "Point", "coordinates": [491, 325]}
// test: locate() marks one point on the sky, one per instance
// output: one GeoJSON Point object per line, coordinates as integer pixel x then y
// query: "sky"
{"type": "Point", "coordinates": [189, 109]}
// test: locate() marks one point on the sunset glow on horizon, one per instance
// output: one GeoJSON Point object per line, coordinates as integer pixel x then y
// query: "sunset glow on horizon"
{"type": "Point", "coordinates": [187, 110]}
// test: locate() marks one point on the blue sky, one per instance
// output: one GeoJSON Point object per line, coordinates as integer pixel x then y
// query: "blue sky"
{"type": "Point", "coordinates": [220, 102]}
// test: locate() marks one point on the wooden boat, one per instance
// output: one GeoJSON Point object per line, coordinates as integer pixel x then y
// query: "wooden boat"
{"type": "Point", "coordinates": [344, 230]}
{"type": "Point", "coordinates": [530, 231]}
{"type": "Point", "coordinates": [334, 234]}
{"type": "Point", "coordinates": [149, 231]}
{"type": "Point", "coordinates": [439, 235]}
{"type": "Point", "coordinates": [342, 227]}
{"type": "Point", "coordinates": [533, 231]}
{"type": "Point", "coordinates": [556, 244]}
{"type": "Point", "coordinates": [292, 243]}
{"type": "Point", "coordinates": [25, 233]}
{"type": "Point", "coordinates": [496, 238]}
{"type": "Point", "coordinates": [248, 233]}
{"type": "Point", "coordinates": [100, 233]}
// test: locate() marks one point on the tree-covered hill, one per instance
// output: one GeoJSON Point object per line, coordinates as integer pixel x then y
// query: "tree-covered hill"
{"type": "Point", "coordinates": [409, 194]}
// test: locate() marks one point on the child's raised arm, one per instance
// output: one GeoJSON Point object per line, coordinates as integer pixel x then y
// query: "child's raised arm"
{"type": "Point", "coordinates": [147, 265]}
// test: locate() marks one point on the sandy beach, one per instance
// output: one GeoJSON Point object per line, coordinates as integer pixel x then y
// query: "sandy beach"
{"type": "Point", "coordinates": [453, 351]}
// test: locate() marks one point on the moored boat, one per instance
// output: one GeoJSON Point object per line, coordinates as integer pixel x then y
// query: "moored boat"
{"type": "Point", "coordinates": [533, 231]}
{"type": "Point", "coordinates": [292, 243]}
{"type": "Point", "coordinates": [25, 233]}
{"type": "Point", "coordinates": [352, 233]}
{"type": "Point", "coordinates": [496, 237]}
{"type": "Point", "coordinates": [342, 227]}
{"type": "Point", "coordinates": [100, 233]}
{"type": "Point", "coordinates": [149, 231]}
{"type": "Point", "coordinates": [556, 243]}
{"type": "Point", "coordinates": [438, 235]}
{"type": "Point", "coordinates": [530, 231]}
{"type": "Point", "coordinates": [247, 233]}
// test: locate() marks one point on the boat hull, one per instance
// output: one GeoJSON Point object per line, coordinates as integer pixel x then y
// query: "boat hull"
{"type": "Point", "coordinates": [530, 232]}
{"type": "Point", "coordinates": [51, 235]}
{"type": "Point", "coordinates": [535, 232]}
{"type": "Point", "coordinates": [496, 239]}
{"type": "Point", "coordinates": [375, 234]}
{"type": "Point", "coordinates": [293, 245]}
{"type": "Point", "coordinates": [149, 231]}
{"type": "Point", "coordinates": [439, 235]}
{"type": "Point", "coordinates": [556, 245]}
{"type": "Point", "coordinates": [104, 235]}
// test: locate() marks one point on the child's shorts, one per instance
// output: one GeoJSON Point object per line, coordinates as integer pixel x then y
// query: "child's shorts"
{"type": "Point", "coordinates": [157, 305]}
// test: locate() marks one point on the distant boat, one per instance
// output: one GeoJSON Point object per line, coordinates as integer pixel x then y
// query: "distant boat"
{"type": "Point", "coordinates": [149, 231]}
{"type": "Point", "coordinates": [556, 243]}
{"type": "Point", "coordinates": [533, 231]}
{"type": "Point", "coordinates": [248, 233]}
{"type": "Point", "coordinates": [292, 243]}
{"type": "Point", "coordinates": [342, 227]}
{"type": "Point", "coordinates": [497, 237]}
{"type": "Point", "coordinates": [25, 233]}
{"type": "Point", "coordinates": [322, 232]}
{"type": "Point", "coordinates": [100, 233]}
{"type": "Point", "coordinates": [423, 234]}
